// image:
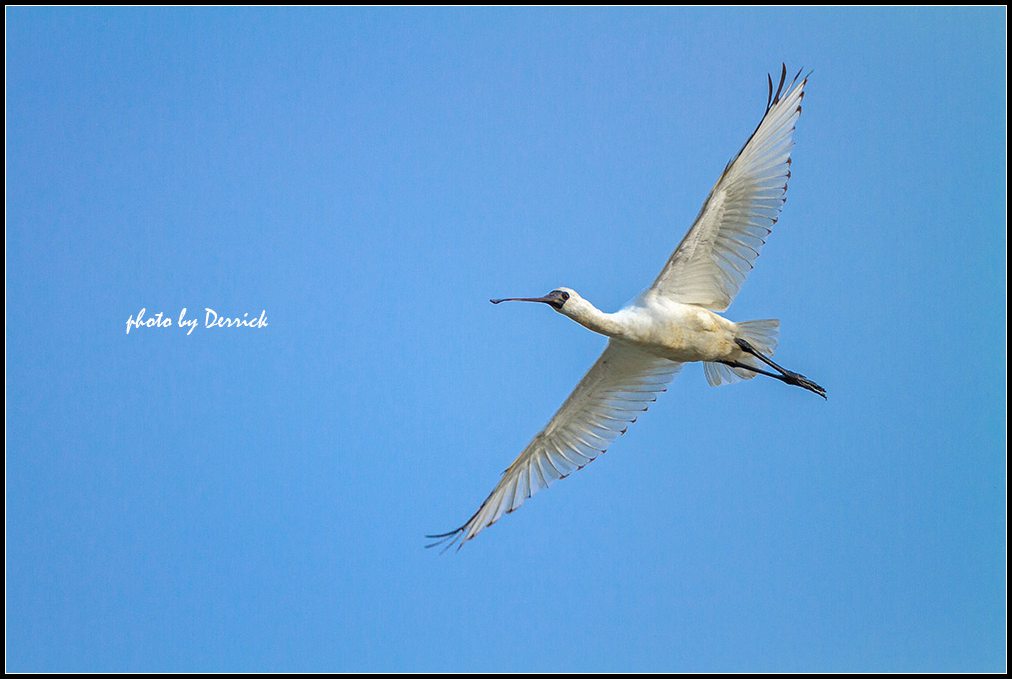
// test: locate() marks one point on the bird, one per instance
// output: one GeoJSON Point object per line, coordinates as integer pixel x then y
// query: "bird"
{"type": "Point", "coordinates": [674, 321]}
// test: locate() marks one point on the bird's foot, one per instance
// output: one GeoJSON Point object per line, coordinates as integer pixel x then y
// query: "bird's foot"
{"type": "Point", "coordinates": [799, 380]}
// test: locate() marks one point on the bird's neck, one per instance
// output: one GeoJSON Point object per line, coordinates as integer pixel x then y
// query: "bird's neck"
{"type": "Point", "coordinates": [592, 318]}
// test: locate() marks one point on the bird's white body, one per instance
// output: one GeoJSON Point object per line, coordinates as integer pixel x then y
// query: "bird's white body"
{"type": "Point", "coordinates": [663, 327]}
{"type": "Point", "coordinates": [673, 322]}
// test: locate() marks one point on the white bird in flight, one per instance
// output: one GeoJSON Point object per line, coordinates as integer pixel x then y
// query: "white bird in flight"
{"type": "Point", "coordinates": [671, 323]}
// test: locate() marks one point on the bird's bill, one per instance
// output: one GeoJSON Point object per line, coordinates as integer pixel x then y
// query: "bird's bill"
{"type": "Point", "coordinates": [547, 299]}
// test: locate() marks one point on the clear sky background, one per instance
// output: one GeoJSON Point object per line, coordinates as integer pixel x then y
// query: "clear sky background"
{"type": "Point", "coordinates": [257, 499]}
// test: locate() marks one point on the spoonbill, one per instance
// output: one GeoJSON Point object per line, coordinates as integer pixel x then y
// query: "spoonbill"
{"type": "Point", "coordinates": [671, 323]}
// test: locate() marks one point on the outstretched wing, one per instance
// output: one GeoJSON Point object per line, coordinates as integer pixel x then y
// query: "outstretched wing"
{"type": "Point", "coordinates": [621, 385]}
{"type": "Point", "coordinates": [710, 264]}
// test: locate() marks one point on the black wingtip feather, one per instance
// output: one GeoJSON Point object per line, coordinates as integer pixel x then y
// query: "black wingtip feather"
{"type": "Point", "coordinates": [780, 87]}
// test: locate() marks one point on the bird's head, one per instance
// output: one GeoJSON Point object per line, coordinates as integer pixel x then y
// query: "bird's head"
{"type": "Point", "coordinates": [564, 300]}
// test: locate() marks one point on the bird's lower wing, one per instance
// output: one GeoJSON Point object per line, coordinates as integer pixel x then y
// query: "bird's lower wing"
{"type": "Point", "coordinates": [710, 264]}
{"type": "Point", "coordinates": [621, 385]}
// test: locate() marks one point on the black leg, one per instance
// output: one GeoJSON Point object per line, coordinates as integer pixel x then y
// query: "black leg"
{"type": "Point", "coordinates": [785, 376]}
{"type": "Point", "coordinates": [752, 368]}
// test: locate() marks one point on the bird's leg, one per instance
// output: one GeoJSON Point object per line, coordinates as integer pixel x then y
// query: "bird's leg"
{"type": "Point", "coordinates": [785, 376]}
{"type": "Point", "coordinates": [752, 368]}
{"type": "Point", "coordinates": [789, 377]}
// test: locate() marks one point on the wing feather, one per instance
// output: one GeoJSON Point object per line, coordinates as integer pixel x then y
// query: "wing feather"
{"type": "Point", "coordinates": [710, 264]}
{"type": "Point", "coordinates": [621, 384]}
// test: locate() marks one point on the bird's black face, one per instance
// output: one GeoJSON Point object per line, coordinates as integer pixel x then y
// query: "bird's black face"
{"type": "Point", "coordinates": [555, 299]}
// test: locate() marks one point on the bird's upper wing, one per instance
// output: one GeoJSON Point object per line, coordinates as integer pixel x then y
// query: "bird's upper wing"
{"type": "Point", "coordinates": [622, 384]}
{"type": "Point", "coordinates": [710, 264]}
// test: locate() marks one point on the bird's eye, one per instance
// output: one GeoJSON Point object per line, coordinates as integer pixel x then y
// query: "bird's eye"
{"type": "Point", "coordinates": [565, 296]}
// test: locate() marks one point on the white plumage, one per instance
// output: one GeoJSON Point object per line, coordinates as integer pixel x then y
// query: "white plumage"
{"type": "Point", "coordinates": [670, 323]}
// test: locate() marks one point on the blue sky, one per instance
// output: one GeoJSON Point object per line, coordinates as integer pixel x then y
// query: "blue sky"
{"type": "Point", "coordinates": [255, 499]}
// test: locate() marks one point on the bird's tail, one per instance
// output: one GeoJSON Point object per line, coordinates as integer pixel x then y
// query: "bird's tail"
{"type": "Point", "coordinates": [760, 334]}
